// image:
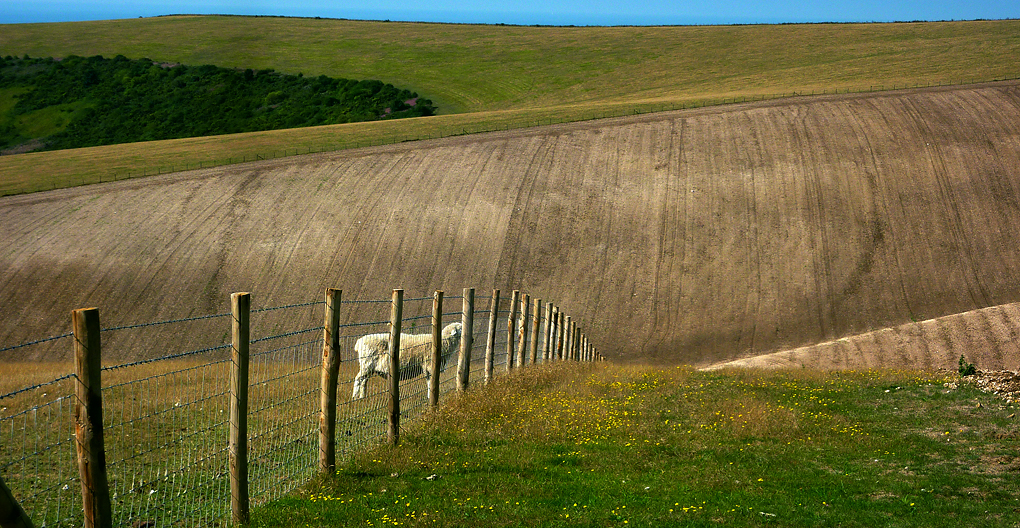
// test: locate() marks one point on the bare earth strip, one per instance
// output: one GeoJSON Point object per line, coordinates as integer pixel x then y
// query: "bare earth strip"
{"type": "Point", "coordinates": [987, 333]}
{"type": "Point", "coordinates": [697, 236]}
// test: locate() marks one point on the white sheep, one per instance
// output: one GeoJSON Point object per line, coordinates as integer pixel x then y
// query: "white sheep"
{"type": "Point", "coordinates": [415, 355]}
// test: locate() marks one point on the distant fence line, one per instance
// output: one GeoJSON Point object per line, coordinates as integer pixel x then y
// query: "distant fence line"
{"type": "Point", "coordinates": [193, 438]}
{"type": "Point", "coordinates": [510, 124]}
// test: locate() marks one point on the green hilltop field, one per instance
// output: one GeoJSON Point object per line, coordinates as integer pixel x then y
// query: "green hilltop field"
{"type": "Point", "coordinates": [498, 77]}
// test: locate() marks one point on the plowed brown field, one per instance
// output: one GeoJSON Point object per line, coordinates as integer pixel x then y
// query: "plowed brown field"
{"type": "Point", "coordinates": [697, 236]}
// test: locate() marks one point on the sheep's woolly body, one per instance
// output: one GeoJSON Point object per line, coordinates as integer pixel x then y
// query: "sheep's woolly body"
{"type": "Point", "coordinates": [415, 355]}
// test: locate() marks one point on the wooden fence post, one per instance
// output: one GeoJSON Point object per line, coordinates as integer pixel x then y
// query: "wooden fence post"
{"type": "Point", "coordinates": [327, 380]}
{"type": "Point", "coordinates": [522, 330]}
{"type": "Point", "coordinates": [437, 347]}
{"type": "Point", "coordinates": [490, 344]}
{"type": "Point", "coordinates": [396, 319]}
{"type": "Point", "coordinates": [560, 331]}
{"type": "Point", "coordinates": [554, 337]}
{"type": "Point", "coordinates": [547, 338]}
{"type": "Point", "coordinates": [575, 342]}
{"type": "Point", "coordinates": [11, 513]}
{"type": "Point", "coordinates": [237, 446]}
{"type": "Point", "coordinates": [511, 325]}
{"type": "Point", "coordinates": [467, 340]}
{"type": "Point", "coordinates": [536, 327]}
{"type": "Point", "coordinates": [568, 338]}
{"type": "Point", "coordinates": [88, 418]}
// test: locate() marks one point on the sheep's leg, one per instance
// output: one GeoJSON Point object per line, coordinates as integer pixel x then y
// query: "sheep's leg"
{"type": "Point", "coordinates": [359, 387]}
{"type": "Point", "coordinates": [360, 381]}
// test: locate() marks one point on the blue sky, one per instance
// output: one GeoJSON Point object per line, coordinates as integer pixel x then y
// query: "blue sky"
{"type": "Point", "coordinates": [526, 12]}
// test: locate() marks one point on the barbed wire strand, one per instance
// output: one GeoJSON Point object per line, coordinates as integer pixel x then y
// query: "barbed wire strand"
{"type": "Point", "coordinates": [36, 342]}
{"type": "Point", "coordinates": [168, 321]}
{"type": "Point", "coordinates": [284, 307]}
{"type": "Point", "coordinates": [169, 357]}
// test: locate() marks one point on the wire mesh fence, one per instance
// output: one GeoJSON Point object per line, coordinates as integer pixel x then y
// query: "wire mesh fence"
{"type": "Point", "coordinates": [283, 412]}
{"type": "Point", "coordinates": [164, 424]}
{"type": "Point", "coordinates": [166, 419]}
{"type": "Point", "coordinates": [39, 462]}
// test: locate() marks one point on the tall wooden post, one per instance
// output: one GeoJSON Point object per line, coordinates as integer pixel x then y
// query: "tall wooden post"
{"type": "Point", "coordinates": [237, 446]}
{"type": "Point", "coordinates": [560, 328]}
{"type": "Point", "coordinates": [577, 342]}
{"type": "Point", "coordinates": [522, 330]}
{"type": "Point", "coordinates": [11, 513]}
{"type": "Point", "coordinates": [396, 320]}
{"type": "Point", "coordinates": [573, 341]}
{"type": "Point", "coordinates": [467, 340]}
{"type": "Point", "coordinates": [547, 339]}
{"type": "Point", "coordinates": [490, 344]}
{"type": "Point", "coordinates": [511, 326]}
{"type": "Point", "coordinates": [327, 380]}
{"type": "Point", "coordinates": [88, 418]}
{"type": "Point", "coordinates": [567, 334]}
{"type": "Point", "coordinates": [536, 330]}
{"type": "Point", "coordinates": [437, 348]}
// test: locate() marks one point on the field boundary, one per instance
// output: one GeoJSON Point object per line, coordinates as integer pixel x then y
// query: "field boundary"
{"type": "Point", "coordinates": [92, 170]}
{"type": "Point", "coordinates": [164, 449]}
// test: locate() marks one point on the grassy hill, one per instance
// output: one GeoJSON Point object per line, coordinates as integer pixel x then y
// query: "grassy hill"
{"type": "Point", "coordinates": [497, 77]}
{"type": "Point", "coordinates": [612, 446]}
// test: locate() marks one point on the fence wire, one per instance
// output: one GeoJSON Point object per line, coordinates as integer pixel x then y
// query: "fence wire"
{"type": "Point", "coordinates": [166, 419]}
{"type": "Point", "coordinates": [37, 451]}
{"type": "Point", "coordinates": [283, 407]}
{"type": "Point", "coordinates": [166, 425]}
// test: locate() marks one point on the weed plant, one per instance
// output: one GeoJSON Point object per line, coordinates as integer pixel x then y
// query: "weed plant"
{"type": "Point", "coordinates": [570, 445]}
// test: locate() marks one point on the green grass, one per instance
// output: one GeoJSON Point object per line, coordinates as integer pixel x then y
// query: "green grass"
{"type": "Point", "coordinates": [497, 77]}
{"type": "Point", "coordinates": [634, 446]}
{"type": "Point", "coordinates": [50, 120]}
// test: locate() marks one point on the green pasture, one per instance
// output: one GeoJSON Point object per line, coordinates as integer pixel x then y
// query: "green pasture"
{"type": "Point", "coordinates": [495, 77]}
{"type": "Point", "coordinates": [572, 445]}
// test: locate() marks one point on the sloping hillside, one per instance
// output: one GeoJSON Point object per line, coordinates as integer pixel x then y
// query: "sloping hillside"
{"type": "Point", "coordinates": [696, 236]}
{"type": "Point", "coordinates": [991, 334]}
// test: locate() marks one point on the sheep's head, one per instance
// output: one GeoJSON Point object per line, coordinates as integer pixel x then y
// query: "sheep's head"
{"type": "Point", "coordinates": [453, 330]}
